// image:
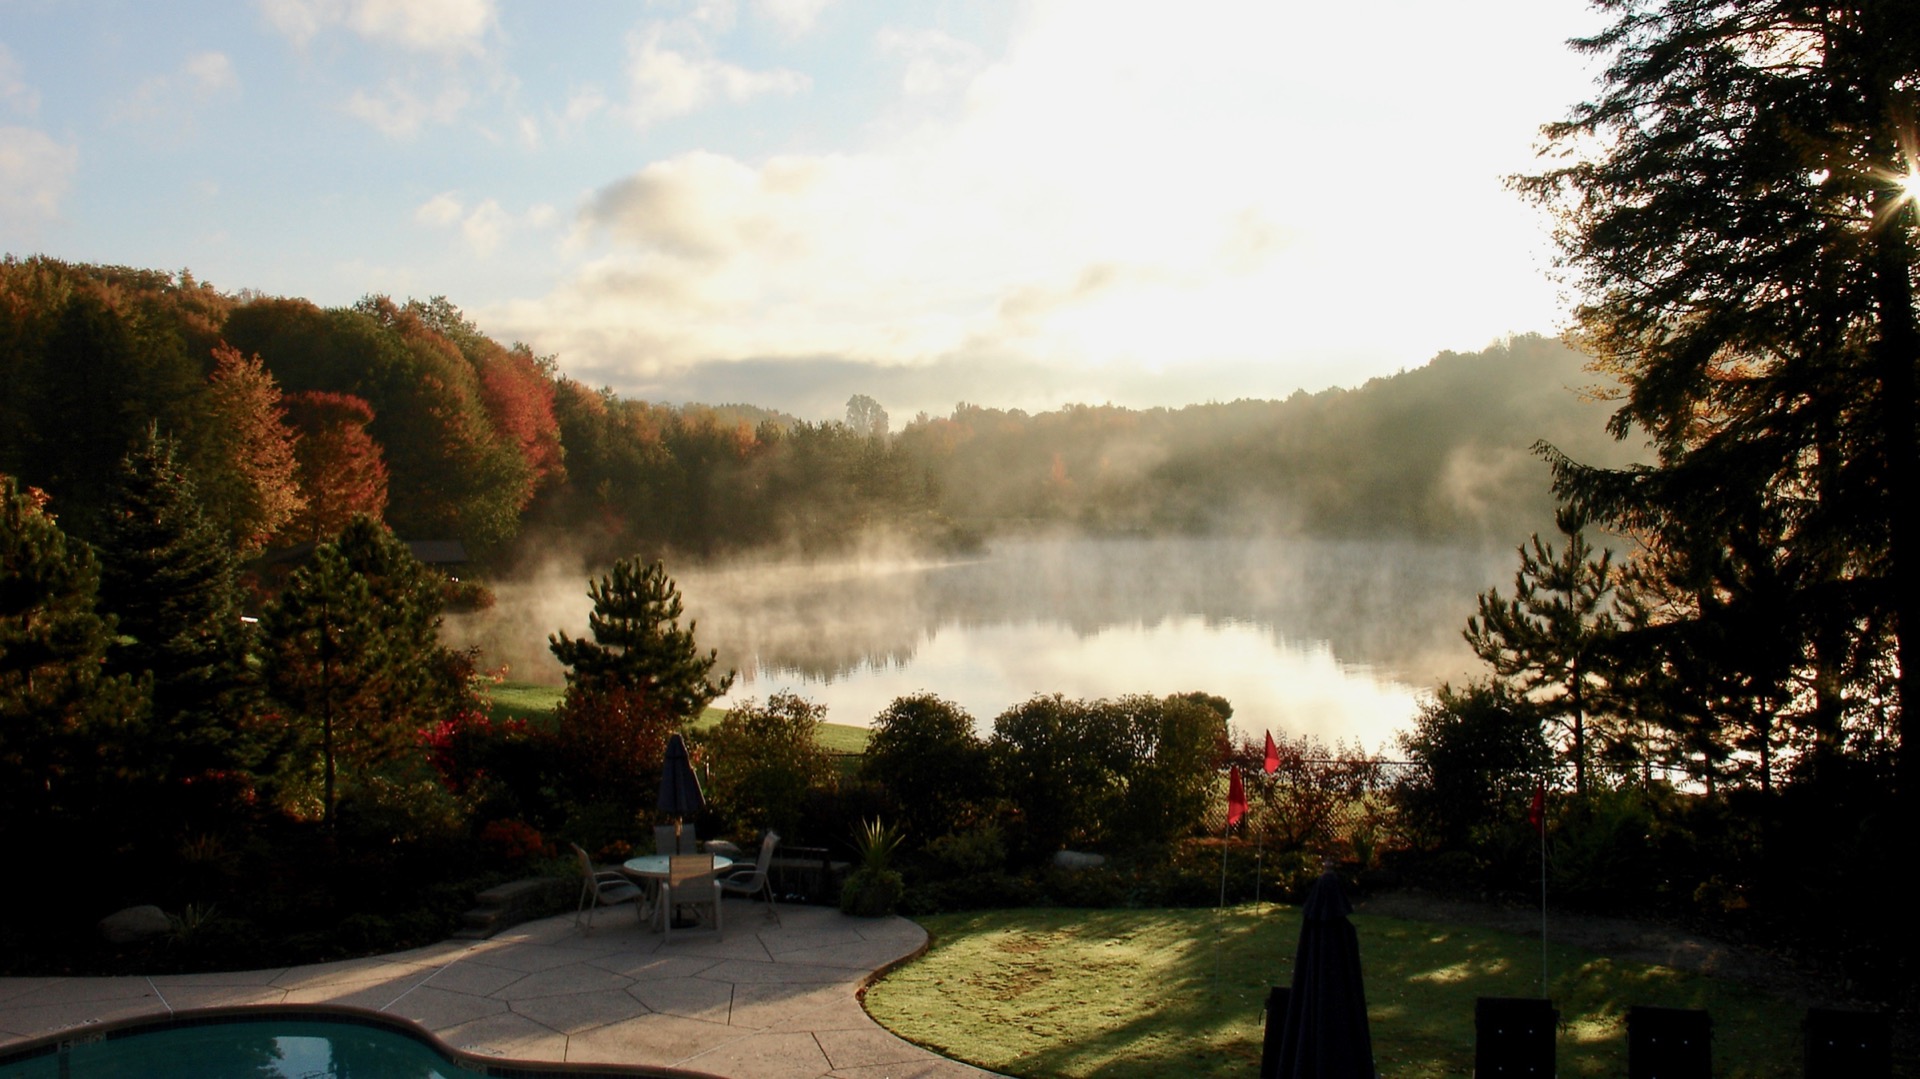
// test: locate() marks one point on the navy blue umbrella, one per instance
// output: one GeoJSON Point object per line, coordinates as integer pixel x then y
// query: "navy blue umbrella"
{"type": "Point", "coordinates": [679, 788]}
{"type": "Point", "coordinates": [1325, 1035]}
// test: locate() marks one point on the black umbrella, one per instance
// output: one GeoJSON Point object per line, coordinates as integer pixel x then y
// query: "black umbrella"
{"type": "Point", "coordinates": [679, 789]}
{"type": "Point", "coordinates": [1325, 1036]}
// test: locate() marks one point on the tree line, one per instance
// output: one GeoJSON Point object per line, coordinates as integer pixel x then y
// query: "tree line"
{"type": "Point", "coordinates": [293, 418]}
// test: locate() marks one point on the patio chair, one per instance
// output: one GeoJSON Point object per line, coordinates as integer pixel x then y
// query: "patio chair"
{"type": "Point", "coordinates": [690, 883]}
{"type": "Point", "coordinates": [601, 888]}
{"type": "Point", "coordinates": [663, 839]}
{"type": "Point", "coordinates": [746, 880]}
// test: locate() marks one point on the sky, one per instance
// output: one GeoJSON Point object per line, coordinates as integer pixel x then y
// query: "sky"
{"type": "Point", "coordinates": [788, 202]}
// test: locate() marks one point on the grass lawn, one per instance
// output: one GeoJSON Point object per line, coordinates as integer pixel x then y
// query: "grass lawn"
{"type": "Point", "coordinates": [1063, 992]}
{"type": "Point", "coordinates": [525, 700]}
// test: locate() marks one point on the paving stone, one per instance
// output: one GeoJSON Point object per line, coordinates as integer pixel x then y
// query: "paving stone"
{"type": "Point", "coordinates": [476, 978]}
{"type": "Point", "coordinates": [569, 980]}
{"type": "Point", "coordinates": [186, 997]}
{"type": "Point", "coordinates": [440, 1009]}
{"type": "Point", "coordinates": [765, 1005]}
{"type": "Point", "coordinates": [648, 1039]}
{"type": "Point", "coordinates": [579, 1012]}
{"type": "Point", "coordinates": [507, 1035]}
{"type": "Point", "coordinates": [690, 998]}
{"type": "Point", "coordinates": [766, 1056]}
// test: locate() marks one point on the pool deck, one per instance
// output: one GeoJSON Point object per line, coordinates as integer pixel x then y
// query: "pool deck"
{"type": "Point", "coordinates": [765, 1001]}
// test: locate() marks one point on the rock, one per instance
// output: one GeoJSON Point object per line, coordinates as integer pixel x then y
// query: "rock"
{"type": "Point", "coordinates": [135, 924]}
{"type": "Point", "coordinates": [1074, 859]}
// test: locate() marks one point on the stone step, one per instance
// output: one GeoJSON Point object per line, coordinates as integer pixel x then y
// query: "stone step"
{"type": "Point", "coordinates": [505, 905]}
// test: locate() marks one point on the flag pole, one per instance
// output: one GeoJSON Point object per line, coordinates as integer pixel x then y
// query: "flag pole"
{"type": "Point", "coordinates": [1268, 766]}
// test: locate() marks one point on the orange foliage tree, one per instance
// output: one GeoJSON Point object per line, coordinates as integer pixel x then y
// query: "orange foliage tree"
{"type": "Point", "coordinates": [342, 471]}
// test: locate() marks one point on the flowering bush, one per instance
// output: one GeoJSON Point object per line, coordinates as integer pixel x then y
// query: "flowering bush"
{"type": "Point", "coordinates": [515, 841]}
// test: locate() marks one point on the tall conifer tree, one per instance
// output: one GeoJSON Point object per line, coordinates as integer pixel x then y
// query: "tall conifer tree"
{"type": "Point", "coordinates": [169, 578]}
{"type": "Point", "coordinates": [1737, 211]}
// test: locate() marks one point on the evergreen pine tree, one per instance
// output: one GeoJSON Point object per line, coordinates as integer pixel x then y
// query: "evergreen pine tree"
{"type": "Point", "coordinates": [351, 645]}
{"type": "Point", "coordinates": [63, 720]}
{"type": "Point", "coordinates": [170, 580]}
{"type": "Point", "coordinates": [638, 643]}
{"type": "Point", "coordinates": [1544, 644]}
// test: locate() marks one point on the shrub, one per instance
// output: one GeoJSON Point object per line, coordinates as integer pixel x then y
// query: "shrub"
{"type": "Point", "coordinates": [1170, 750]}
{"type": "Point", "coordinates": [609, 741]}
{"type": "Point", "coordinates": [926, 759]}
{"type": "Point", "coordinates": [1059, 768]}
{"type": "Point", "coordinates": [1478, 753]}
{"type": "Point", "coordinates": [765, 761]}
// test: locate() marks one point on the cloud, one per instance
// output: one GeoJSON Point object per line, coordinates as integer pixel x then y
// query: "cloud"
{"type": "Point", "coordinates": [485, 226]}
{"type": "Point", "coordinates": [398, 112]}
{"type": "Point", "coordinates": [211, 71]}
{"type": "Point", "coordinates": [932, 62]}
{"type": "Point", "coordinates": [795, 17]}
{"type": "Point", "coordinates": [668, 82]}
{"type": "Point", "coordinates": [15, 93]}
{"type": "Point", "coordinates": [1302, 198]}
{"type": "Point", "coordinates": [34, 174]}
{"type": "Point", "coordinates": [165, 103]}
{"type": "Point", "coordinates": [428, 26]}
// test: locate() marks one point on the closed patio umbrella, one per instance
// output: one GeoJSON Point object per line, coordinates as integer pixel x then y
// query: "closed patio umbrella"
{"type": "Point", "coordinates": [679, 789]}
{"type": "Point", "coordinates": [1325, 1035]}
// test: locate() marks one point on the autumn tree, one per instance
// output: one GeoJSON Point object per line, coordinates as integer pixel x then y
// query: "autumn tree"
{"type": "Point", "coordinates": [1737, 213]}
{"type": "Point", "coordinates": [518, 392]}
{"type": "Point", "coordinates": [341, 471]}
{"type": "Point", "coordinates": [250, 479]}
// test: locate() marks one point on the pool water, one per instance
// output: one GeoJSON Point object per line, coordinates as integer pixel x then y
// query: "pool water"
{"type": "Point", "coordinates": [278, 1049]}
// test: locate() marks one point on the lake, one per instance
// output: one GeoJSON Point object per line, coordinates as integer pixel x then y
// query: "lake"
{"type": "Point", "coordinates": [1337, 639]}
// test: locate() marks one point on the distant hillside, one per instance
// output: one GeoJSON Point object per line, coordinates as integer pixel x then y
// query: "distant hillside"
{"type": "Point", "coordinates": [449, 434]}
{"type": "Point", "coordinates": [1442, 450]}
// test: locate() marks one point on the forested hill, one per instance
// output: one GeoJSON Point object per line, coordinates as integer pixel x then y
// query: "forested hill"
{"type": "Point", "coordinates": [292, 417]}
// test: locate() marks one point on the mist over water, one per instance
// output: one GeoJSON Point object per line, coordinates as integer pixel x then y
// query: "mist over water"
{"type": "Point", "coordinates": [1332, 638]}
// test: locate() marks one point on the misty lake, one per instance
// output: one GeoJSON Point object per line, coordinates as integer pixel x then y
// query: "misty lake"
{"type": "Point", "coordinates": [1333, 638]}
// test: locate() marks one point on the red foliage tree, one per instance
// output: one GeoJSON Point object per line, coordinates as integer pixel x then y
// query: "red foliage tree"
{"type": "Point", "coordinates": [342, 469]}
{"type": "Point", "coordinates": [518, 395]}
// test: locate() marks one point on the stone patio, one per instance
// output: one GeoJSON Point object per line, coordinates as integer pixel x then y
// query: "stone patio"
{"type": "Point", "coordinates": [765, 1001]}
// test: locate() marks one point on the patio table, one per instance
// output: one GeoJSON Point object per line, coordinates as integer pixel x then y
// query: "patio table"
{"type": "Point", "coordinates": [651, 869]}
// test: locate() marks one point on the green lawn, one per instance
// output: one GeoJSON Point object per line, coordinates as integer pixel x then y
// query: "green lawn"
{"type": "Point", "coordinates": [524, 700]}
{"type": "Point", "coordinates": [1062, 992]}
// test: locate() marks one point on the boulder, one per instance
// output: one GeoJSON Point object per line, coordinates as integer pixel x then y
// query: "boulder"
{"type": "Point", "coordinates": [135, 924]}
{"type": "Point", "coordinates": [1075, 859]}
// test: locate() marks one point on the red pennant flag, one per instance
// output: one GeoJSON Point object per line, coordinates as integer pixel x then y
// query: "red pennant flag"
{"type": "Point", "coordinates": [1236, 797]}
{"type": "Point", "coordinates": [1537, 812]}
{"type": "Point", "coordinates": [1273, 755]}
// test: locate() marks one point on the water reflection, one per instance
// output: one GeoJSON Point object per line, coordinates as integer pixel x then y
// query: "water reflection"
{"type": "Point", "coordinates": [1329, 637]}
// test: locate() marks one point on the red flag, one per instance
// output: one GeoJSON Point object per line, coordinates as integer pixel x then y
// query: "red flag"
{"type": "Point", "coordinates": [1236, 797]}
{"type": "Point", "coordinates": [1273, 755]}
{"type": "Point", "coordinates": [1537, 812]}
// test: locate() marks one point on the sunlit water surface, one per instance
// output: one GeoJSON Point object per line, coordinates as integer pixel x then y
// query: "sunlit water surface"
{"type": "Point", "coordinates": [1337, 639]}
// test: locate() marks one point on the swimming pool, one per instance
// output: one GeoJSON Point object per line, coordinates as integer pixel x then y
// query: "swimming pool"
{"type": "Point", "coordinates": [272, 1042]}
